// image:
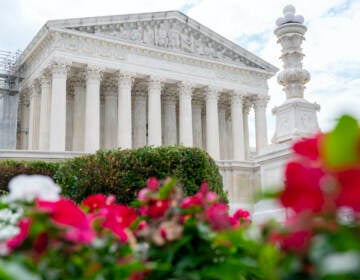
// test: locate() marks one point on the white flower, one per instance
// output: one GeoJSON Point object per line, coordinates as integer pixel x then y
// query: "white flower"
{"type": "Point", "coordinates": [29, 187]}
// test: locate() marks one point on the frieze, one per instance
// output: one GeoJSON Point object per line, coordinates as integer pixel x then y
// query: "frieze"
{"type": "Point", "coordinates": [167, 34]}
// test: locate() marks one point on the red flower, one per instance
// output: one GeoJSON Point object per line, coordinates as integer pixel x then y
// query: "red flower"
{"type": "Point", "coordinates": [153, 184]}
{"type": "Point", "coordinates": [41, 243]}
{"type": "Point", "coordinates": [218, 217]}
{"type": "Point", "coordinates": [17, 240]}
{"type": "Point", "coordinates": [66, 213]}
{"type": "Point", "coordinates": [241, 214]}
{"type": "Point", "coordinates": [308, 147]}
{"type": "Point", "coordinates": [156, 208]}
{"type": "Point", "coordinates": [302, 188]}
{"type": "Point", "coordinates": [349, 195]}
{"type": "Point", "coordinates": [192, 201]}
{"type": "Point", "coordinates": [297, 241]}
{"type": "Point", "coordinates": [98, 201]}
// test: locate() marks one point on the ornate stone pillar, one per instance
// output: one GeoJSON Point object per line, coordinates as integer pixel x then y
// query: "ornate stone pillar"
{"type": "Point", "coordinates": [154, 111]}
{"type": "Point", "coordinates": [58, 106]}
{"type": "Point", "coordinates": [260, 122]}
{"type": "Point", "coordinates": [197, 123]}
{"type": "Point", "coordinates": [45, 107]}
{"type": "Point", "coordinates": [139, 117]}
{"type": "Point", "coordinates": [222, 132]}
{"type": "Point", "coordinates": [246, 110]}
{"type": "Point", "coordinates": [111, 115]}
{"type": "Point", "coordinates": [212, 123]}
{"type": "Point", "coordinates": [185, 114]}
{"type": "Point", "coordinates": [69, 118]}
{"type": "Point", "coordinates": [24, 106]}
{"type": "Point", "coordinates": [124, 137]}
{"type": "Point", "coordinates": [170, 131]}
{"type": "Point", "coordinates": [79, 114]}
{"type": "Point", "coordinates": [237, 126]}
{"type": "Point", "coordinates": [34, 116]}
{"type": "Point", "coordinates": [92, 109]}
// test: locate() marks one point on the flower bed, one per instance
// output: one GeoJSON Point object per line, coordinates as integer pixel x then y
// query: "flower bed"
{"type": "Point", "coordinates": [166, 235]}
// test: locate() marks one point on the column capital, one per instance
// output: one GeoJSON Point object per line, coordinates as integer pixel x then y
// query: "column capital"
{"type": "Point", "coordinates": [185, 88]}
{"type": "Point", "coordinates": [261, 102]}
{"type": "Point", "coordinates": [155, 83]}
{"type": "Point", "coordinates": [35, 88]}
{"type": "Point", "coordinates": [45, 79]}
{"type": "Point", "coordinates": [60, 69]}
{"type": "Point", "coordinates": [247, 104]}
{"type": "Point", "coordinates": [169, 98]}
{"type": "Point", "coordinates": [125, 79]}
{"type": "Point", "coordinates": [237, 98]}
{"type": "Point", "coordinates": [94, 73]}
{"type": "Point", "coordinates": [211, 93]}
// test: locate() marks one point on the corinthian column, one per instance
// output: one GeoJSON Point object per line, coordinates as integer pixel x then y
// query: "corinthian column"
{"type": "Point", "coordinates": [260, 122]}
{"type": "Point", "coordinates": [154, 111]}
{"type": "Point", "coordinates": [45, 106]}
{"type": "Point", "coordinates": [237, 126]}
{"type": "Point", "coordinates": [58, 106]}
{"type": "Point", "coordinates": [34, 117]}
{"type": "Point", "coordinates": [92, 109]}
{"type": "Point", "coordinates": [139, 117]}
{"type": "Point", "coordinates": [212, 123]}
{"type": "Point", "coordinates": [197, 123]}
{"type": "Point", "coordinates": [110, 119]}
{"type": "Point", "coordinates": [79, 114]}
{"type": "Point", "coordinates": [170, 131]}
{"type": "Point", "coordinates": [246, 110]}
{"type": "Point", "coordinates": [124, 138]}
{"type": "Point", "coordinates": [185, 114]}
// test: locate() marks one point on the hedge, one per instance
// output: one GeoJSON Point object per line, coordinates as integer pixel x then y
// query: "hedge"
{"type": "Point", "coordinates": [124, 172]}
{"type": "Point", "coordinates": [12, 168]}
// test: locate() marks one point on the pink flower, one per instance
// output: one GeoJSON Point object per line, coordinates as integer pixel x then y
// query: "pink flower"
{"type": "Point", "coordinates": [153, 184]}
{"type": "Point", "coordinates": [98, 201]}
{"type": "Point", "coordinates": [349, 194]}
{"type": "Point", "coordinates": [309, 147]}
{"type": "Point", "coordinates": [66, 213]}
{"type": "Point", "coordinates": [302, 188]}
{"type": "Point", "coordinates": [17, 240]}
{"type": "Point", "coordinates": [218, 217]}
{"type": "Point", "coordinates": [143, 194]}
{"type": "Point", "coordinates": [297, 241]}
{"type": "Point", "coordinates": [156, 208]}
{"type": "Point", "coordinates": [241, 214]}
{"type": "Point", "coordinates": [192, 201]}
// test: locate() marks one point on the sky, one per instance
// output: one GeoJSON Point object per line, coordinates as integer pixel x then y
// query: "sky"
{"type": "Point", "coordinates": [332, 45]}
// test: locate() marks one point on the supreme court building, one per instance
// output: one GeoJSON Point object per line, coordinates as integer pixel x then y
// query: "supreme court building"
{"type": "Point", "coordinates": [156, 79]}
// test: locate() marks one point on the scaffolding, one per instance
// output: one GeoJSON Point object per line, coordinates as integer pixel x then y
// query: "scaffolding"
{"type": "Point", "coordinates": [9, 88]}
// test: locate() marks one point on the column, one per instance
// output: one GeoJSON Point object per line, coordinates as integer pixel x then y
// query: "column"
{"type": "Point", "coordinates": [139, 119]}
{"type": "Point", "coordinates": [45, 106]}
{"type": "Point", "coordinates": [185, 114]}
{"type": "Point", "coordinates": [154, 111]}
{"type": "Point", "coordinates": [124, 137]}
{"type": "Point", "coordinates": [212, 123]}
{"type": "Point", "coordinates": [58, 107]}
{"type": "Point", "coordinates": [79, 115]}
{"type": "Point", "coordinates": [170, 131]}
{"type": "Point", "coordinates": [110, 117]}
{"type": "Point", "coordinates": [69, 118]}
{"type": "Point", "coordinates": [246, 111]}
{"type": "Point", "coordinates": [92, 109]}
{"type": "Point", "coordinates": [24, 105]}
{"type": "Point", "coordinates": [197, 123]}
{"type": "Point", "coordinates": [237, 126]}
{"type": "Point", "coordinates": [260, 122]}
{"type": "Point", "coordinates": [34, 117]}
{"type": "Point", "coordinates": [222, 132]}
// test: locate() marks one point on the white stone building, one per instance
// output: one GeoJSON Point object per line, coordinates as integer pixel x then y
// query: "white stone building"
{"type": "Point", "coordinates": [160, 79]}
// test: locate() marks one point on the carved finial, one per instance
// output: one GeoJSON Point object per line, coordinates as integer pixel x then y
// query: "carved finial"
{"type": "Point", "coordinates": [289, 16]}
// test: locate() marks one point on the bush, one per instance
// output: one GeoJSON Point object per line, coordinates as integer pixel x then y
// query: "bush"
{"type": "Point", "coordinates": [12, 168]}
{"type": "Point", "coordinates": [124, 172]}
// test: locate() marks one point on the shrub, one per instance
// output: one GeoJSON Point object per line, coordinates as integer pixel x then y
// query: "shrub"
{"type": "Point", "coordinates": [11, 168]}
{"type": "Point", "coordinates": [124, 172]}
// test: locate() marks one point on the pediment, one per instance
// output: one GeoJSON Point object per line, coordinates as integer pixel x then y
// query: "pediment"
{"type": "Point", "coordinates": [171, 31]}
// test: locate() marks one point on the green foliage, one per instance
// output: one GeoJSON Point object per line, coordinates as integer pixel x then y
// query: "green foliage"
{"type": "Point", "coordinates": [12, 168]}
{"type": "Point", "coordinates": [124, 172]}
{"type": "Point", "coordinates": [342, 144]}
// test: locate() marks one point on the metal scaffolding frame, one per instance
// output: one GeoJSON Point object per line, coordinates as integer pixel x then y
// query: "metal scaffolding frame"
{"type": "Point", "coordinates": [9, 72]}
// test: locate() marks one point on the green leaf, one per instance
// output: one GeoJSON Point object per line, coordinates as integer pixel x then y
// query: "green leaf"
{"type": "Point", "coordinates": [341, 146]}
{"type": "Point", "coordinates": [166, 189]}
